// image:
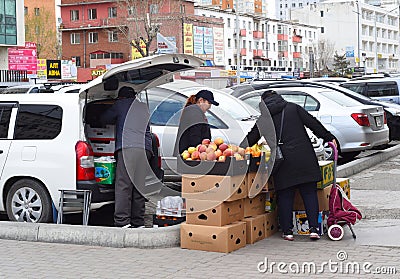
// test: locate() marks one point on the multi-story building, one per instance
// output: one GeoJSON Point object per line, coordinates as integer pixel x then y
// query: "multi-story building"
{"type": "Point", "coordinates": [99, 33]}
{"type": "Point", "coordinates": [11, 28]}
{"type": "Point", "coordinates": [265, 45]}
{"type": "Point", "coordinates": [367, 34]}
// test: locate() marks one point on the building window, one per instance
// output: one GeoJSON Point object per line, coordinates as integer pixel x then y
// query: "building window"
{"type": "Point", "coordinates": [112, 36]}
{"type": "Point", "coordinates": [293, 5]}
{"type": "Point", "coordinates": [37, 11]}
{"type": "Point", "coordinates": [92, 14]}
{"type": "Point", "coordinates": [77, 60]}
{"type": "Point", "coordinates": [132, 10]}
{"type": "Point", "coordinates": [322, 13]}
{"type": "Point", "coordinates": [112, 12]}
{"type": "Point", "coordinates": [300, 5]}
{"type": "Point", "coordinates": [322, 30]}
{"type": "Point", "coordinates": [74, 15]}
{"type": "Point", "coordinates": [229, 42]}
{"type": "Point", "coordinates": [229, 61]}
{"type": "Point", "coordinates": [229, 22]}
{"type": "Point", "coordinates": [25, 10]}
{"type": "Point", "coordinates": [182, 9]}
{"type": "Point", "coordinates": [154, 9]}
{"type": "Point", "coordinates": [93, 37]}
{"type": "Point", "coordinates": [75, 38]}
{"type": "Point", "coordinates": [37, 29]}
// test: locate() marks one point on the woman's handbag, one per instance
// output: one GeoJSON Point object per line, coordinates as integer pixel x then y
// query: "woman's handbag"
{"type": "Point", "coordinates": [278, 154]}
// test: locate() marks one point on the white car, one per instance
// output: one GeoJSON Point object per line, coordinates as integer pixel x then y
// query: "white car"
{"type": "Point", "coordinates": [357, 127]}
{"type": "Point", "coordinates": [47, 141]}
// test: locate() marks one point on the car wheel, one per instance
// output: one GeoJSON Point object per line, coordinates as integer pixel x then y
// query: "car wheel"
{"type": "Point", "coordinates": [28, 201]}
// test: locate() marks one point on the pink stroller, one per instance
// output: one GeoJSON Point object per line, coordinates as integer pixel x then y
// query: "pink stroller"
{"type": "Point", "coordinates": [341, 211]}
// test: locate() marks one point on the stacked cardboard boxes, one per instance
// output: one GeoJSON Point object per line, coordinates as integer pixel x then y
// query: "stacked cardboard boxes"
{"type": "Point", "coordinates": [214, 205]}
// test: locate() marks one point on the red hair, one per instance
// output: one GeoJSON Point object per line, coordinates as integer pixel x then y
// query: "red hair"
{"type": "Point", "coordinates": [191, 100]}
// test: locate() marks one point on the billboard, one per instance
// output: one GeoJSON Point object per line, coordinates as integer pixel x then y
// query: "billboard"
{"type": "Point", "coordinates": [23, 58]}
{"type": "Point", "coordinates": [188, 38]}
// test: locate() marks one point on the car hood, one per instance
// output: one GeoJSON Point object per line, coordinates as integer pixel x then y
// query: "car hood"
{"type": "Point", "coordinates": [139, 74]}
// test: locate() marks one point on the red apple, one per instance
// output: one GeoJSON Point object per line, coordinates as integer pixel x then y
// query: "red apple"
{"type": "Point", "coordinates": [210, 150]}
{"type": "Point", "coordinates": [196, 155]}
{"type": "Point", "coordinates": [203, 156]}
{"type": "Point", "coordinates": [218, 152]}
{"type": "Point", "coordinates": [202, 148]}
{"type": "Point", "coordinates": [205, 141]}
{"type": "Point", "coordinates": [211, 156]}
{"type": "Point", "coordinates": [234, 148]}
{"type": "Point", "coordinates": [227, 152]}
{"type": "Point", "coordinates": [222, 147]}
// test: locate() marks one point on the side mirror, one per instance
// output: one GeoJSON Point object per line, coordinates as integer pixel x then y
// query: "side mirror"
{"type": "Point", "coordinates": [111, 84]}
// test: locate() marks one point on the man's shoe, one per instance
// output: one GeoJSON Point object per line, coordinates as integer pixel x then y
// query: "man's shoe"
{"type": "Point", "coordinates": [288, 235]}
{"type": "Point", "coordinates": [314, 234]}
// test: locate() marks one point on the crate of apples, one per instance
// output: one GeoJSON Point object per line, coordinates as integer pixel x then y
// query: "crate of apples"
{"type": "Point", "coordinates": [216, 150]}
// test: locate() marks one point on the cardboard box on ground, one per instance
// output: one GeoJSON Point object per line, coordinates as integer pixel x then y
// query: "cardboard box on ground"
{"type": "Point", "coordinates": [301, 226]}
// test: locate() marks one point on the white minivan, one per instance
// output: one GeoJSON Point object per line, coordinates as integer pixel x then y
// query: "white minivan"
{"type": "Point", "coordinates": [45, 144]}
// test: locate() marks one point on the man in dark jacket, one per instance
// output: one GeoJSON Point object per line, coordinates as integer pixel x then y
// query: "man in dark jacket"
{"type": "Point", "coordinates": [299, 169]}
{"type": "Point", "coordinates": [133, 149]}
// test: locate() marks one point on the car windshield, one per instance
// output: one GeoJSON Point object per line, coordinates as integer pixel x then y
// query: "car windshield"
{"type": "Point", "coordinates": [340, 99]}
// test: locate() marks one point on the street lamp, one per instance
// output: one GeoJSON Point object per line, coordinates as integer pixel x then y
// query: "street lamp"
{"type": "Point", "coordinates": [358, 34]}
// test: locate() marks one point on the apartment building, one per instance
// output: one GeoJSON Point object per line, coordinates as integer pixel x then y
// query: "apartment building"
{"type": "Point", "coordinates": [367, 34]}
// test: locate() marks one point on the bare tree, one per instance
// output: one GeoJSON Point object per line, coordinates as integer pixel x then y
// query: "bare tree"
{"type": "Point", "coordinates": [38, 29]}
{"type": "Point", "coordinates": [142, 20]}
{"type": "Point", "coordinates": [325, 52]}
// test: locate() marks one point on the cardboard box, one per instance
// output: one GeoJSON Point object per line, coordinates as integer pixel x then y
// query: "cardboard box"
{"type": "Point", "coordinates": [344, 183]}
{"type": "Point", "coordinates": [213, 213]}
{"type": "Point", "coordinates": [270, 201]}
{"type": "Point", "coordinates": [271, 223]}
{"type": "Point", "coordinates": [256, 182]}
{"type": "Point", "coordinates": [216, 239]}
{"type": "Point", "coordinates": [254, 206]}
{"type": "Point", "coordinates": [214, 187]}
{"type": "Point", "coordinates": [270, 184]}
{"type": "Point", "coordinates": [230, 167]}
{"type": "Point", "coordinates": [300, 222]}
{"type": "Point", "coordinates": [326, 168]}
{"type": "Point", "coordinates": [255, 228]}
{"type": "Point", "coordinates": [323, 199]}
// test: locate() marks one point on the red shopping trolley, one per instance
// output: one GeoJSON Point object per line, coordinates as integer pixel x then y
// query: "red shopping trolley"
{"type": "Point", "coordinates": [341, 210]}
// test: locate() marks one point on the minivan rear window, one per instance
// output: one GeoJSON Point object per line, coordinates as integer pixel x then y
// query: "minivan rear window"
{"type": "Point", "coordinates": [38, 122]}
{"type": "Point", "coordinates": [382, 89]}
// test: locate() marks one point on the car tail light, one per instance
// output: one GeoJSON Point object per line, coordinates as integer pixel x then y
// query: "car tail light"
{"type": "Point", "coordinates": [361, 119]}
{"type": "Point", "coordinates": [158, 147]}
{"type": "Point", "coordinates": [84, 161]}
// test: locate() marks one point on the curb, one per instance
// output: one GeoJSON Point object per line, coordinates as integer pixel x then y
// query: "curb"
{"type": "Point", "coordinates": [162, 237]}
{"type": "Point", "coordinates": [361, 164]}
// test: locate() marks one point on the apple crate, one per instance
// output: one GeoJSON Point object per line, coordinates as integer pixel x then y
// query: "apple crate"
{"type": "Point", "coordinates": [230, 167]}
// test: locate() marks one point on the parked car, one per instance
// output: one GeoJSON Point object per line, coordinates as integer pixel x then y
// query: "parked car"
{"type": "Point", "coordinates": [392, 109]}
{"type": "Point", "coordinates": [356, 127]}
{"type": "Point", "coordinates": [24, 89]}
{"type": "Point", "coordinates": [335, 80]}
{"type": "Point", "coordinates": [231, 120]}
{"type": "Point", "coordinates": [48, 142]}
{"type": "Point", "coordinates": [386, 89]}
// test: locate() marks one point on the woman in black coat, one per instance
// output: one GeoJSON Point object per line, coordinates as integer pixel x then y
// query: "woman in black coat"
{"type": "Point", "coordinates": [299, 168]}
{"type": "Point", "coordinates": [193, 124]}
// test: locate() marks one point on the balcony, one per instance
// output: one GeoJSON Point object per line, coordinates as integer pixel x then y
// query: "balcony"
{"type": "Point", "coordinates": [242, 32]}
{"type": "Point", "coordinates": [296, 54]}
{"type": "Point", "coordinates": [258, 35]}
{"type": "Point", "coordinates": [243, 51]}
{"type": "Point", "coordinates": [88, 24]}
{"type": "Point", "coordinates": [257, 53]}
{"type": "Point", "coordinates": [282, 37]}
{"type": "Point", "coordinates": [296, 39]}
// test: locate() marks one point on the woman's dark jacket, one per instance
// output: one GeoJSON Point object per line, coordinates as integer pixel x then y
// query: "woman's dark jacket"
{"type": "Point", "coordinates": [300, 164]}
{"type": "Point", "coordinates": [193, 128]}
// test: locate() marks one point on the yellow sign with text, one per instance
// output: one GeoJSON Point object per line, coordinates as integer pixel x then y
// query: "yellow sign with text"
{"type": "Point", "coordinates": [135, 52]}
